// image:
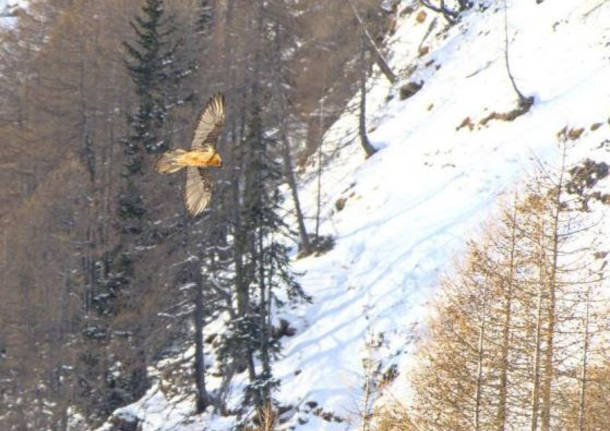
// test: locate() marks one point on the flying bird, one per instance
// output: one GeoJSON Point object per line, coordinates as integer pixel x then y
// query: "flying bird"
{"type": "Point", "coordinates": [201, 156]}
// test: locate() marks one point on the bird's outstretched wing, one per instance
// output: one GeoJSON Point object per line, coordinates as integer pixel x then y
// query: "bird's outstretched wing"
{"type": "Point", "coordinates": [210, 124]}
{"type": "Point", "coordinates": [198, 191]}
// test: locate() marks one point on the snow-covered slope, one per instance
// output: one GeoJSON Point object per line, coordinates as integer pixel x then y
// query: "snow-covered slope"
{"type": "Point", "coordinates": [9, 12]}
{"type": "Point", "coordinates": [8, 9]}
{"type": "Point", "coordinates": [411, 206]}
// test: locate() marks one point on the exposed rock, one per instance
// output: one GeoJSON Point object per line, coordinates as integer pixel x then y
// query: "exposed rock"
{"type": "Point", "coordinates": [522, 108]}
{"type": "Point", "coordinates": [311, 404]}
{"type": "Point", "coordinates": [125, 421]}
{"type": "Point", "coordinates": [423, 50]}
{"type": "Point", "coordinates": [467, 122]}
{"type": "Point", "coordinates": [571, 134]}
{"type": "Point", "coordinates": [584, 177]}
{"type": "Point", "coordinates": [410, 89]}
{"type": "Point", "coordinates": [283, 330]}
{"type": "Point", "coordinates": [340, 204]}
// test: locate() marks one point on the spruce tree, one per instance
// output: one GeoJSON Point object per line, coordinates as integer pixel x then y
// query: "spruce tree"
{"type": "Point", "coordinates": [267, 258]}
{"type": "Point", "coordinates": [151, 63]}
{"type": "Point", "coordinates": [157, 77]}
{"type": "Point", "coordinates": [263, 280]}
{"type": "Point", "coordinates": [150, 60]}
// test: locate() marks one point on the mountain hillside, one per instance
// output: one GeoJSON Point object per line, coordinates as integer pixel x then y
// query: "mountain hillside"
{"type": "Point", "coordinates": [10, 8]}
{"type": "Point", "coordinates": [398, 217]}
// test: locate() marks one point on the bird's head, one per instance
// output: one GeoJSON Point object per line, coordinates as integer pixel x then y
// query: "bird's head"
{"type": "Point", "coordinates": [215, 160]}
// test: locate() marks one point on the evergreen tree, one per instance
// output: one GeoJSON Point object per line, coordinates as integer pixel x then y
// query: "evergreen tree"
{"type": "Point", "coordinates": [151, 62]}
{"type": "Point", "coordinates": [267, 257]}
{"type": "Point", "coordinates": [157, 75]}
{"type": "Point", "coordinates": [262, 279]}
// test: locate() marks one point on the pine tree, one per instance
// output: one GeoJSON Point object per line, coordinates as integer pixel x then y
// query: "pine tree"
{"type": "Point", "coordinates": [151, 62]}
{"type": "Point", "coordinates": [263, 280]}
{"type": "Point", "coordinates": [262, 277]}
{"type": "Point", "coordinates": [156, 76]}
{"type": "Point", "coordinates": [260, 222]}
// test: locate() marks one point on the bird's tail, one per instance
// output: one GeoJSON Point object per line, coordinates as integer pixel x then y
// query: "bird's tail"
{"type": "Point", "coordinates": [168, 163]}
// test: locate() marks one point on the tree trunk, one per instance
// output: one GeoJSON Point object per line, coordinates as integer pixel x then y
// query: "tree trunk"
{"type": "Point", "coordinates": [536, 389]}
{"type": "Point", "coordinates": [538, 340]}
{"type": "Point", "coordinates": [368, 40]}
{"type": "Point", "coordinates": [548, 362]}
{"type": "Point", "coordinates": [522, 99]}
{"type": "Point", "coordinates": [582, 399]}
{"type": "Point", "coordinates": [265, 325]}
{"type": "Point", "coordinates": [241, 284]}
{"type": "Point", "coordinates": [479, 385]}
{"type": "Point", "coordinates": [508, 299]}
{"type": "Point", "coordinates": [292, 183]}
{"type": "Point", "coordinates": [203, 399]}
{"type": "Point", "coordinates": [319, 176]}
{"type": "Point", "coordinates": [364, 140]}
{"type": "Point", "coordinates": [450, 15]}
{"type": "Point", "coordinates": [550, 331]}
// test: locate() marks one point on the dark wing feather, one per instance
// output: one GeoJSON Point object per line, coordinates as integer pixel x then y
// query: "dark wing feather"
{"type": "Point", "coordinates": [210, 124]}
{"type": "Point", "coordinates": [198, 191]}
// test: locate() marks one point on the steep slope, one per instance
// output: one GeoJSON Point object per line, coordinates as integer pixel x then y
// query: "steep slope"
{"type": "Point", "coordinates": [409, 208]}
{"type": "Point", "coordinates": [9, 9]}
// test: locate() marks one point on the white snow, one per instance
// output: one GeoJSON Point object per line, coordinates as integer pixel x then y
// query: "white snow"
{"type": "Point", "coordinates": [8, 9]}
{"type": "Point", "coordinates": [412, 205]}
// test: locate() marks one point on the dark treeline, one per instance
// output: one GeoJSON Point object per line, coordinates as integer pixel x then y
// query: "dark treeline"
{"type": "Point", "coordinates": [101, 270]}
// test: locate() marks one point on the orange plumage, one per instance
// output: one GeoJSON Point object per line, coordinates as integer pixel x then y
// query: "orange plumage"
{"type": "Point", "coordinates": [202, 155]}
{"type": "Point", "coordinates": [174, 160]}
